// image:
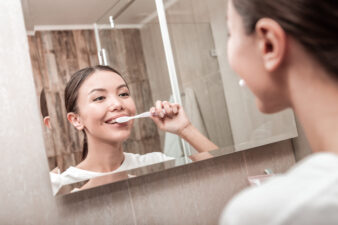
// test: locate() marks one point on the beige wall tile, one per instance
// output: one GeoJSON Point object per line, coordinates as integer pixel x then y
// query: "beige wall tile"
{"type": "Point", "coordinates": [22, 147]}
{"type": "Point", "coordinates": [277, 156]}
{"type": "Point", "coordinates": [194, 194]}
{"type": "Point", "coordinates": [107, 204]}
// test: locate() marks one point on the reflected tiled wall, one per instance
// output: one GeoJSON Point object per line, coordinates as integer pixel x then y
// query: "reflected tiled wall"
{"type": "Point", "coordinates": [193, 194]}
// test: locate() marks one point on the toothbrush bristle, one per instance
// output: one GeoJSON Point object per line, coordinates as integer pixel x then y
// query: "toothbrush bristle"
{"type": "Point", "coordinates": [122, 119]}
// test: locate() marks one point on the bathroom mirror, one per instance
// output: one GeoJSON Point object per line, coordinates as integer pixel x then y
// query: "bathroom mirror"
{"type": "Point", "coordinates": [172, 50]}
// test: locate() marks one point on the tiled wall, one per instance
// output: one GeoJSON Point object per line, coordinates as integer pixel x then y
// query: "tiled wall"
{"type": "Point", "coordinates": [193, 194]}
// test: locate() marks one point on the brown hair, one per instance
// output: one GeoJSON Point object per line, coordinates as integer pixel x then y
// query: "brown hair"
{"type": "Point", "coordinates": [43, 104]}
{"type": "Point", "coordinates": [72, 91]}
{"type": "Point", "coordinates": [312, 22]}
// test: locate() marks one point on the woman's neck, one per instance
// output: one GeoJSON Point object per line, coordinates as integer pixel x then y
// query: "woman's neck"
{"type": "Point", "coordinates": [102, 156]}
{"type": "Point", "coordinates": [314, 98]}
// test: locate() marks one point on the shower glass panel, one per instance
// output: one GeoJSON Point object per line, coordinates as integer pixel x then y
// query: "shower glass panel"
{"type": "Point", "coordinates": [225, 112]}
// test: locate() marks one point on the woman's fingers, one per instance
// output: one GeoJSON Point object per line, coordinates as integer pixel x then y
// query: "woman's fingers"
{"type": "Point", "coordinates": [159, 109]}
{"type": "Point", "coordinates": [175, 108]}
{"type": "Point", "coordinates": [164, 108]}
{"type": "Point", "coordinates": [152, 111]}
{"type": "Point", "coordinates": [168, 108]}
{"type": "Point", "coordinates": [169, 117]}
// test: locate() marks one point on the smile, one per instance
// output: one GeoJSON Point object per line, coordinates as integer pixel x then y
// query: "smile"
{"type": "Point", "coordinates": [112, 120]}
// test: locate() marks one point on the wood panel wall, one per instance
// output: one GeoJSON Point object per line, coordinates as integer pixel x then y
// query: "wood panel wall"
{"type": "Point", "coordinates": [56, 55]}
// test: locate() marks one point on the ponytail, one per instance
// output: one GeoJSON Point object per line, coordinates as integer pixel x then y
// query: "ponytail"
{"type": "Point", "coordinates": [85, 146]}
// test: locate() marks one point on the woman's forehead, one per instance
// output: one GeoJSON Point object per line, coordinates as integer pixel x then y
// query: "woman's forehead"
{"type": "Point", "coordinates": [103, 79]}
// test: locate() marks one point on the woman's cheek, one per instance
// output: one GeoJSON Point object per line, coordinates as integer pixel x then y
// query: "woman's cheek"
{"type": "Point", "coordinates": [234, 61]}
{"type": "Point", "coordinates": [131, 124]}
{"type": "Point", "coordinates": [132, 107]}
{"type": "Point", "coordinates": [232, 54]}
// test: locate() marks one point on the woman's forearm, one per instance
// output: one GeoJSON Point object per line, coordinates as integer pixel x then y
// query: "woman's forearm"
{"type": "Point", "coordinates": [197, 139]}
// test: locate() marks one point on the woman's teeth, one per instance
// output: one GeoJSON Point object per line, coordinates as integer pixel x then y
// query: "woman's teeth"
{"type": "Point", "coordinates": [111, 122]}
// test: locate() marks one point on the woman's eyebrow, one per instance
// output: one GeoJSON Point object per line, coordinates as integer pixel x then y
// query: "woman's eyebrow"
{"type": "Point", "coordinates": [105, 90]}
{"type": "Point", "coordinates": [122, 86]}
{"type": "Point", "coordinates": [96, 89]}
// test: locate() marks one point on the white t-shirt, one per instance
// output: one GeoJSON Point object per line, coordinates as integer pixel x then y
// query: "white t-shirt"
{"type": "Point", "coordinates": [307, 194]}
{"type": "Point", "coordinates": [131, 161]}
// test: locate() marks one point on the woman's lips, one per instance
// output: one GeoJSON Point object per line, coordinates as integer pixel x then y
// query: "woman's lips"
{"type": "Point", "coordinates": [112, 120]}
{"type": "Point", "coordinates": [118, 124]}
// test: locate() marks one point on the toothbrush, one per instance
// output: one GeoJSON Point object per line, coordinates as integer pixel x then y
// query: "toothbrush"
{"type": "Point", "coordinates": [124, 119]}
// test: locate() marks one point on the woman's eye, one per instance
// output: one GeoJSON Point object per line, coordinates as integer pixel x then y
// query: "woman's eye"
{"type": "Point", "coordinates": [100, 98]}
{"type": "Point", "coordinates": [125, 94]}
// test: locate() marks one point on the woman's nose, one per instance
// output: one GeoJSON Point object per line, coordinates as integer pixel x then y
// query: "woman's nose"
{"type": "Point", "coordinates": [115, 105]}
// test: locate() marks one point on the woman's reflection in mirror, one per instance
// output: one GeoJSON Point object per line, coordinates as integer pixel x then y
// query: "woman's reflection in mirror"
{"type": "Point", "coordinates": [94, 98]}
{"type": "Point", "coordinates": [289, 50]}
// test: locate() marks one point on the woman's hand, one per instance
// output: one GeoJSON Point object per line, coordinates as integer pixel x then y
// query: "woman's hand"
{"type": "Point", "coordinates": [170, 117]}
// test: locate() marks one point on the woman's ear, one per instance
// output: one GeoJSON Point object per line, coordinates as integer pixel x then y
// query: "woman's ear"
{"type": "Point", "coordinates": [271, 43]}
{"type": "Point", "coordinates": [75, 120]}
{"type": "Point", "coordinates": [46, 121]}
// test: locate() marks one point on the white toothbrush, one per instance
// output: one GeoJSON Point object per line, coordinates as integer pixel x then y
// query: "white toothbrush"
{"type": "Point", "coordinates": [124, 119]}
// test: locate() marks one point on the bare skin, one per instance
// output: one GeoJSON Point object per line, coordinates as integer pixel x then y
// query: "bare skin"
{"type": "Point", "coordinates": [313, 97]}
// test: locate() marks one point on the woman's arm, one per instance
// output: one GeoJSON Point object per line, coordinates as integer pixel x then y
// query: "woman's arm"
{"type": "Point", "coordinates": [171, 117]}
{"type": "Point", "coordinates": [197, 139]}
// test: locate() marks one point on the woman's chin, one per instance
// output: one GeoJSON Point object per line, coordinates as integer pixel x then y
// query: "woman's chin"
{"type": "Point", "coordinates": [122, 138]}
{"type": "Point", "coordinates": [119, 137]}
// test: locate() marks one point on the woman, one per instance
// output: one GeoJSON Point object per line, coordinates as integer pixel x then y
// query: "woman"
{"type": "Point", "coordinates": [95, 97]}
{"type": "Point", "coordinates": [290, 53]}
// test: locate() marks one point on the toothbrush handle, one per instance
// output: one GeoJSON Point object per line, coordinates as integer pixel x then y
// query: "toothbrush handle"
{"type": "Point", "coordinates": [145, 114]}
